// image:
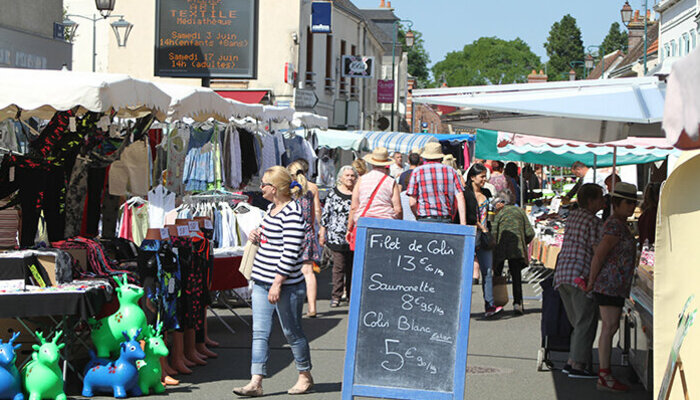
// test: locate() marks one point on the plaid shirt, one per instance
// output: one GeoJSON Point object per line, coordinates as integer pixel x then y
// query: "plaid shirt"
{"type": "Point", "coordinates": [434, 185]}
{"type": "Point", "coordinates": [583, 231]}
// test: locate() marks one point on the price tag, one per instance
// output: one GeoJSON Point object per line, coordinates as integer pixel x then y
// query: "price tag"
{"type": "Point", "coordinates": [193, 225]}
{"type": "Point", "coordinates": [183, 230]}
{"type": "Point", "coordinates": [164, 233]}
{"type": "Point", "coordinates": [555, 205]}
{"type": "Point", "coordinates": [171, 286]}
{"type": "Point", "coordinates": [72, 124]}
{"type": "Point", "coordinates": [12, 174]}
{"type": "Point", "coordinates": [208, 224]}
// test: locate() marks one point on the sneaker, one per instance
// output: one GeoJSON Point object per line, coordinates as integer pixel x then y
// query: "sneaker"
{"type": "Point", "coordinates": [581, 374]}
{"type": "Point", "coordinates": [567, 369]}
{"type": "Point", "coordinates": [491, 311]}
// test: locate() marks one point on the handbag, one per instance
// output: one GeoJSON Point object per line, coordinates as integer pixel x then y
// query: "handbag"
{"type": "Point", "coordinates": [249, 251]}
{"type": "Point", "coordinates": [500, 291]}
{"type": "Point", "coordinates": [485, 240]}
{"type": "Point", "coordinates": [353, 231]}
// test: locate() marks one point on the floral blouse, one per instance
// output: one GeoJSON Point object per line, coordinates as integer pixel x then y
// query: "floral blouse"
{"type": "Point", "coordinates": [615, 277]}
{"type": "Point", "coordinates": [335, 219]}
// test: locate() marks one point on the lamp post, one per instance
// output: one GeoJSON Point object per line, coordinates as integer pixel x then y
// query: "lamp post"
{"type": "Point", "coordinates": [410, 37]}
{"type": "Point", "coordinates": [590, 61]}
{"type": "Point", "coordinates": [121, 27]}
{"type": "Point", "coordinates": [573, 65]}
{"type": "Point", "coordinates": [626, 15]}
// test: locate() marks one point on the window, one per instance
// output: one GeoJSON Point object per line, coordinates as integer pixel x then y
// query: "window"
{"type": "Point", "coordinates": [692, 39]}
{"type": "Point", "coordinates": [353, 87]}
{"type": "Point", "coordinates": [329, 62]}
{"type": "Point", "coordinates": [343, 88]}
{"type": "Point", "coordinates": [686, 44]}
{"type": "Point", "coordinates": [309, 78]}
{"type": "Point", "coordinates": [674, 48]}
{"type": "Point", "coordinates": [667, 50]}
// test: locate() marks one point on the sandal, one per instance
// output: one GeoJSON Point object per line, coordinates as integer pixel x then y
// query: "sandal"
{"type": "Point", "coordinates": [607, 382]}
{"type": "Point", "coordinates": [335, 303]}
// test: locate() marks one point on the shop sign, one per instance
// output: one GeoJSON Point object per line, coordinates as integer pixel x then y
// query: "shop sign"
{"type": "Point", "coordinates": [206, 39]}
{"type": "Point", "coordinates": [358, 67]}
{"type": "Point", "coordinates": [321, 16]}
{"type": "Point", "coordinates": [385, 91]}
{"type": "Point", "coordinates": [305, 98]}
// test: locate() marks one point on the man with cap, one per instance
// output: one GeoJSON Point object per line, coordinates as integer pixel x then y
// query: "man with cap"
{"type": "Point", "coordinates": [434, 188]}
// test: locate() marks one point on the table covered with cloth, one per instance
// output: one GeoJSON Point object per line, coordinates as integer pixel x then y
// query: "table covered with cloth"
{"type": "Point", "coordinates": [82, 299]}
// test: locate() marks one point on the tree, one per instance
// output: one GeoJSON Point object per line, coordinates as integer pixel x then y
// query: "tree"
{"type": "Point", "coordinates": [418, 58]}
{"type": "Point", "coordinates": [563, 46]}
{"type": "Point", "coordinates": [486, 61]}
{"type": "Point", "coordinates": [616, 39]}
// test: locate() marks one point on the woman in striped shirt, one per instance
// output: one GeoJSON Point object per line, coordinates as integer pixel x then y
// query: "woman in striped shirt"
{"type": "Point", "coordinates": [278, 281]}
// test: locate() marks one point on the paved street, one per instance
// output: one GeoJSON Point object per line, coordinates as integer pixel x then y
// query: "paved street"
{"type": "Point", "coordinates": [502, 359]}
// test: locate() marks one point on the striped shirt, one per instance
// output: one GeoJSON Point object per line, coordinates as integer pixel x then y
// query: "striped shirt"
{"type": "Point", "coordinates": [281, 238]}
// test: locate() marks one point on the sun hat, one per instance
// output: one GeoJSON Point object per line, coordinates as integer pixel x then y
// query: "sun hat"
{"type": "Point", "coordinates": [432, 151]}
{"type": "Point", "coordinates": [626, 191]}
{"type": "Point", "coordinates": [379, 157]}
{"type": "Point", "coordinates": [417, 150]}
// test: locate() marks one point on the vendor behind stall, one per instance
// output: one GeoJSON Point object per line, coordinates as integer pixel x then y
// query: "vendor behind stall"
{"type": "Point", "coordinates": [584, 175]}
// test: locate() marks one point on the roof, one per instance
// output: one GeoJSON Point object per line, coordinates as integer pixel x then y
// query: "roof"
{"type": "Point", "coordinates": [637, 51]}
{"type": "Point", "coordinates": [610, 63]}
{"type": "Point", "coordinates": [375, 30]}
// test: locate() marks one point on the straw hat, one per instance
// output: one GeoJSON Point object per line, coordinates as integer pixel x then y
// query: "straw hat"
{"type": "Point", "coordinates": [626, 191]}
{"type": "Point", "coordinates": [432, 151]}
{"type": "Point", "coordinates": [379, 157]}
{"type": "Point", "coordinates": [417, 150]}
{"type": "Point", "coordinates": [449, 157]}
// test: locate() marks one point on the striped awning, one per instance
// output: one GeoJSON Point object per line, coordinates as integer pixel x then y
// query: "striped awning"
{"type": "Point", "coordinates": [396, 141]}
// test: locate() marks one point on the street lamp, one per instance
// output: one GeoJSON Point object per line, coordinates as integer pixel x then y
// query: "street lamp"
{"type": "Point", "coordinates": [410, 38]}
{"type": "Point", "coordinates": [589, 58]}
{"type": "Point", "coordinates": [105, 7]}
{"type": "Point", "coordinates": [121, 28]}
{"type": "Point", "coordinates": [626, 15]}
{"type": "Point", "coordinates": [585, 64]}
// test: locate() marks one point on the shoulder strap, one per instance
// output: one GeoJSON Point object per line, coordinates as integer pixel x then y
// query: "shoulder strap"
{"type": "Point", "coordinates": [369, 203]}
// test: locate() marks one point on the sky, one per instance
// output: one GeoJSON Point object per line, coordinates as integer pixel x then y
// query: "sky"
{"type": "Point", "coordinates": [447, 25]}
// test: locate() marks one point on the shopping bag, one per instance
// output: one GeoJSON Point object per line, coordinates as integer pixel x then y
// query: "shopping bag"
{"type": "Point", "coordinates": [500, 291]}
{"type": "Point", "coordinates": [249, 252]}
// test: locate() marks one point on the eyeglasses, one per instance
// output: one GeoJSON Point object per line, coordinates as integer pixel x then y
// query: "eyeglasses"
{"type": "Point", "coordinates": [263, 184]}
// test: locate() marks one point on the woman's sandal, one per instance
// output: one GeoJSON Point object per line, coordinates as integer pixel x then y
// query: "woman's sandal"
{"type": "Point", "coordinates": [243, 392]}
{"type": "Point", "coordinates": [335, 303]}
{"type": "Point", "coordinates": [607, 382]}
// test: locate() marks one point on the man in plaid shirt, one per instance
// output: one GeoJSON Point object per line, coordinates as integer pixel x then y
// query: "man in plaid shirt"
{"type": "Point", "coordinates": [582, 234]}
{"type": "Point", "coordinates": [434, 188]}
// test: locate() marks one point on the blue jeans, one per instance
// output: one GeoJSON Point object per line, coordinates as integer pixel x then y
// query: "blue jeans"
{"type": "Point", "coordinates": [289, 309]}
{"type": "Point", "coordinates": [485, 258]}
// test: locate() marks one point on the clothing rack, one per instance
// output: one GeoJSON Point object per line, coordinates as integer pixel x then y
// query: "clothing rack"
{"type": "Point", "coordinates": [213, 195]}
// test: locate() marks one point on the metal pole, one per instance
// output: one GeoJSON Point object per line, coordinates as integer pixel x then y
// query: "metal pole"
{"type": "Point", "coordinates": [595, 168]}
{"type": "Point", "coordinates": [393, 55]}
{"type": "Point", "coordinates": [645, 37]}
{"type": "Point", "coordinates": [94, 36]}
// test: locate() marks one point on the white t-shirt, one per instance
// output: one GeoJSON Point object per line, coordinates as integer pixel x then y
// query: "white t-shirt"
{"type": "Point", "coordinates": [599, 179]}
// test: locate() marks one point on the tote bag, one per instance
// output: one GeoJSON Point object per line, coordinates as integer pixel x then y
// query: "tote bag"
{"type": "Point", "coordinates": [249, 252]}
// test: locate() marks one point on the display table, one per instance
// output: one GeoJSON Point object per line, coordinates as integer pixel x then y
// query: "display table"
{"type": "Point", "coordinates": [225, 278]}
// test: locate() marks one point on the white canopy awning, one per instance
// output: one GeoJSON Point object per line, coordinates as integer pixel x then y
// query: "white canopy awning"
{"type": "Point", "coordinates": [198, 103]}
{"type": "Point", "coordinates": [277, 114]}
{"type": "Point", "coordinates": [682, 116]}
{"type": "Point", "coordinates": [242, 110]}
{"type": "Point", "coordinates": [598, 111]}
{"type": "Point", "coordinates": [40, 93]}
{"type": "Point", "coordinates": [309, 120]}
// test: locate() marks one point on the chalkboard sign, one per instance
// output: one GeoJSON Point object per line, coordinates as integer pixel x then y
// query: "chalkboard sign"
{"type": "Point", "coordinates": [206, 39]}
{"type": "Point", "coordinates": [409, 310]}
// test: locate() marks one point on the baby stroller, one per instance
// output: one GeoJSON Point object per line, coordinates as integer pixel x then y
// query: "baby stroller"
{"type": "Point", "coordinates": [555, 326]}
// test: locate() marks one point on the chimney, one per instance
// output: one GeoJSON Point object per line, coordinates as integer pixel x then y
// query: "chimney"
{"type": "Point", "coordinates": [382, 4]}
{"type": "Point", "coordinates": [572, 75]}
{"type": "Point", "coordinates": [636, 31]}
{"type": "Point", "coordinates": [388, 4]}
{"type": "Point", "coordinates": [534, 77]}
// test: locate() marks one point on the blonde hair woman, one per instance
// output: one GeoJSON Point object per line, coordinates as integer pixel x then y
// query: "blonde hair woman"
{"type": "Point", "coordinates": [278, 282]}
{"type": "Point", "coordinates": [360, 166]}
{"type": "Point", "coordinates": [310, 204]}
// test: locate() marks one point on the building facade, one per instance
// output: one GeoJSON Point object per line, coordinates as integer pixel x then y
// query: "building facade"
{"type": "Point", "coordinates": [31, 35]}
{"type": "Point", "coordinates": [678, 34]}
{"type": "Point", "coordinates": [294, 66]}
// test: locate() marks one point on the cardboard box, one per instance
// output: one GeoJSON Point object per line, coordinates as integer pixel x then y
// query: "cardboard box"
{"type": "Point", "coordinates": [49, 264]}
